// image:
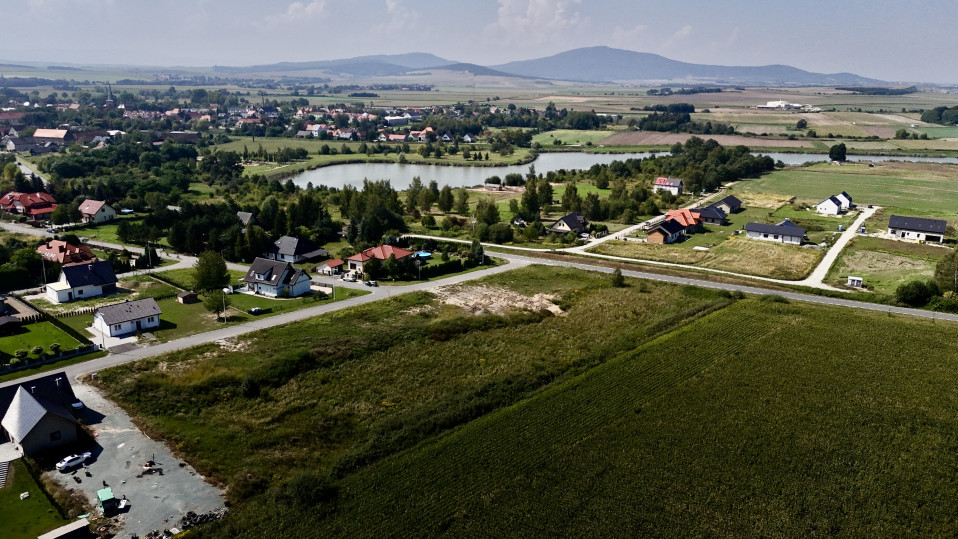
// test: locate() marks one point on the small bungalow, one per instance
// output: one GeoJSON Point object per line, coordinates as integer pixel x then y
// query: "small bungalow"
{"type": "Point", "coordinates": [686, 218]}
{"type": "Point", "coordinates": [666, 232]}
{"type": "Point", "coordinates": [469, 139]}
{"type": "Point", "coordinates": [672, 185]}
{"type": "Point", "coordinates": [292, 249]}
{"type": "Point", "coordinates": [331, 267]}
{"type": "Point", "coordinates": [575, 222]}
{"type": "Point", "coordinates": [276, 278]}
{"type": "Point", "coordinates": [710, 215]}
{"type": "Point", "coordinates": [381, 253]}
{"type": "Point", "coordinates": [36, 414]}
{"type": "Point", "coordinates": [784, 232]}
{"type": "Point", "coordinates": [83, 281]}
{"type": "Point", "coordinates": [829, 206]}
{"type": "Point", "coordinates": [917, 228]}
{"type": "Point", "coordinates": [64, 253]}
{"type": "Point", "coordinates": [96, 211]}
{"type": "Point", "coordinates": [127, 317]}
{"type": "Point", "coordinates": [729, 204]}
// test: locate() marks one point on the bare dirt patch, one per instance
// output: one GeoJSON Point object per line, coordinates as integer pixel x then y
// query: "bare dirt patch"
{"type": "Point", "coordinates": [485, 299]}
{"type": "Point", "coordinates": [763, 200]}
{"type": "Point", "coordinates": [654, 138]}
{"type": "Point", "coordinates": [877, 262]}
{"type": "Point", "coordinates": [880, 132]}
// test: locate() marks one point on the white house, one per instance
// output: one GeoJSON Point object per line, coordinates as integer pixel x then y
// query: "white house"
{"type": "Point", "coordinates": [96, 211]}
{"type": "Point", "coordinates": [917, 228]}
{"type": "Point", "coordinates": [574, 222]}
{"type": "Point", "coordinates": [672, 185]}
{"type": "Point", "coordinates": [829, 206]}
{"type": "Point", "coordinates": [784, 232]}
{"type": "Point", "coordinates": [845, 199]}
{"type": "Point", "coordinates": [331, 267]}
{"type": "Point", "coordinates": [83, 281]}
{"type": "Point", "coordinates": [275, 278]}
{"type": "Point", "coordinates": [127, 317]}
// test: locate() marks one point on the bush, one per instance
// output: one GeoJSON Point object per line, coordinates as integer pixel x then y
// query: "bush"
{"type": "Point", "coordinates": [21, 354]}
{"type": "Point", "coordinates": [55, 347]}
{"type": "Point", "coordinates": [916, 293]}
{"type": "Point", "coordinates": [618, 280]}
{"type": "Point", "coordinates": [500, 233]}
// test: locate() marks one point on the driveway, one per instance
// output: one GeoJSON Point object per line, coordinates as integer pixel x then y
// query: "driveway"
{"type": "Point", "coordinates": [157, 500]}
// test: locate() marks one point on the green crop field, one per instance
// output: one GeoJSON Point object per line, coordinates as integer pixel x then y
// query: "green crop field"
{"type": "Point", "coordinates": [921, 187]}
{"type": "Point", "coordinates": [761, 419]}
{"type": "Point", "coordinates": [570, 137]}
{"type": "Point", "coordinates": [336, 392]}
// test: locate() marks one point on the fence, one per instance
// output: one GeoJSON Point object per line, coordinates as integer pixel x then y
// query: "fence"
{"type": "Point", "coordinates": [45, 359]}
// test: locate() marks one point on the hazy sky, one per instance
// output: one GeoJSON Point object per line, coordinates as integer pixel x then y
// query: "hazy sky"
{"type": "Point", "coordinates": [895, 40]}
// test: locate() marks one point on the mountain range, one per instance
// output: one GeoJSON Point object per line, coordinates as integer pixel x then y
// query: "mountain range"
{"type": "Point", "coordinates": [591, 64]}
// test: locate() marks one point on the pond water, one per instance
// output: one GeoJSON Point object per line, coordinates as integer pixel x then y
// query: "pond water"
{"type": "Point", "coordinates": [401, 175]}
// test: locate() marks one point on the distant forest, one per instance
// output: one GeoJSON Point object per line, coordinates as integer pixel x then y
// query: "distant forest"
{"type": "Point", "coordinates": [877, 90]}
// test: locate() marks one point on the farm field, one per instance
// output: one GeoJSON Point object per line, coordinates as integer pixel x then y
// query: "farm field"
{"type": "Point", "coordinates": [923, 188]}
{"type": "Point", "coordinates": [701, 432]}
{"type": "Point", "coordinates": [736, 254]}
{"type": "Point", "coordinates": [338, 392]}
{"type": "Point", "coordinates": [570, 137]}
{"type": "Point", "coordinates": [885, 264]}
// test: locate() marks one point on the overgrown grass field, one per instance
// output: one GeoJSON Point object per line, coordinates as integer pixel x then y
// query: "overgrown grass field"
{"type": "Point", "coordinates": [885, 264]}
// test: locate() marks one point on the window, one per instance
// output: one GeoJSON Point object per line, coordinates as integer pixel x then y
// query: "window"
{"type": "Point", "coordinates": [150, 319]}
{"type": "Point", "coordinates": [54, 436]}
{"type": "Point", "coordinates": [80, 292]}
{"type": "Point", "coordinates": [117, 326]}
{"type": "Point", "coordinates": [776, 236]}
{"type": "Point", "coordinates": [764, 235]}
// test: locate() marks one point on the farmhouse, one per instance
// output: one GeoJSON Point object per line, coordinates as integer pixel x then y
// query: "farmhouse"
{"type": "Point", "coordinates": [672, 185]}
{"type": "Point", "coordinates": [292, 249]}
{"type": "Point", "coordinates": [686, 218]}
{"type": "Point", "coordinates": [916, 228]}
{"type": "Point", "coordinates": [65, 254]}
{"type": "Point", "coordinates": [784, 232]}
{"type": "Point", "coordinates": [666, 232]}
{"type": "Point", "coordinates": [710, 215]}
{"type": "Point", "coordinates": [729, 204]}
{"type": "Point", "coordinates": [829, 206]}
{"type": "Point", "coordinates": [275, 278]}
{"type": "Point", "coordinates": [36, 414]}
{"type": "Point", "coordinates": [38, 206]}
{"type": "Point", "coordinates": [96, 211]}
{"type": "Point", "coordinates": [381, 253]}
{"type": "Point", "coordinates": [83, 281]}
{"type": "Point", "coordinates": [127, 317]}
{"type": "Point", "coordinates": [575, 222]}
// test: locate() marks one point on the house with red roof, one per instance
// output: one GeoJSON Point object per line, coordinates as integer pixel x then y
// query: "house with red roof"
{"type": "Point", "coordinates": [65, 254]}
{"type": "Point", "coordinates": [381, 253]}
{"type": "Point", "coordinates": [672, 185]}
{"type": "Point", "coordinates": [96, 211]}
{"type": "Point", "coordinates": [690, 221]}
{"type": "Point", "coordinates": [38, 206]}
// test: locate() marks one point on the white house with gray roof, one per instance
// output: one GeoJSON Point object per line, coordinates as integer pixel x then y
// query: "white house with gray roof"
{"type": "Point", "coordinates": [917, 228]}
{"type": "Point", "coordinates": [128, 317]}
{"type": "Point", "coordinates": [784, 232]}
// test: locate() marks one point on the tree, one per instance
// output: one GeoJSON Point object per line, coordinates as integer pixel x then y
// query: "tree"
{"type": "Point", "coordinates": [837, 152]}
{"type": "Point", "coordinates": [916, 293]}
{"type": "Point", "coordinates": [462, 201]}
{"type": "Point", "coordinates": [209, 272]}
{"type": "Point", "coordinates": [801, 124]}
{"type": "Point", "coordinates": [217, 301]}
{"type": "Point", "coordinates": [946, 272]}
{"type": "Point", "coordinates": [618, 281]}
{"type": "Point", "coordinates": [446, 199]}
{"type": "Point", "coordinates": [500, 233]}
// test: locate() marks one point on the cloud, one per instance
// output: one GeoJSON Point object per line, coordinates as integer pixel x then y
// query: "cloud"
{"type": "Point", "coordinates": [627, 37]}
{"type": "Point", "coordinates": [298, 12]}
{"type": "Point", "coordinates": [678, 36]}
{"type": "Point", "coordinates": [534, 21]}
{"type": "Point", "coordinates": [400, 17]}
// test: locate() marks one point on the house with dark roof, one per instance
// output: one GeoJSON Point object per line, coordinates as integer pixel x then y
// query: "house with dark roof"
{"type": "Point", "coordinates": [575, 222]}
{"type": "Point", "coordinates": [672, 185]}
{"type": "Point", "coordinates": [38, 206]}
{"type": "Point", "coordinates": [276, 278]}
{"type": "Point", "coordinates": [83, 281]}
{"type": "Point", "coordinates": [729, 204]}
{"type": "Point", "coordinates": [917, 228]}
{"type": "Point", "coordinates": [36, 414]}
{"type": "Point", "coordinates": [830, 206]}
{"type": "Point", "coordinates": [293, 249]}
{"type": "Point", "coordinates": [784, 232]}
{"type": "Point", "coordinates": [710, 215]}
{"type": "Point", "coordinates": [96, 211]}
{"type": "Point", "coordinates": [64, 253]}
{"type": "Point", "coordinates": [127, 317]}
{"type": "Point", "coordinates": [669, 231]}
{"type": "Point", "coordinates": [381, 253]}
{"type": "Point", "coordinates": [845, 199]}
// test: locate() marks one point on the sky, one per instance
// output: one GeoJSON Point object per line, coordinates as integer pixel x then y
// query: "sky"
{"type": "Point", "coordinates": [892, 40]}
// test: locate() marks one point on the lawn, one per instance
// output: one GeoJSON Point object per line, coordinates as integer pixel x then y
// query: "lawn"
{"type": "Point", "coordinates": [763, 420]}
{"type": "Point", "coordinates": [31, 517]}
{"type": "Point", "coordinates": [129, 287]}
{"type": "Point", "coordinates": [183, 277]}
{"type": "Point", "coordinates": [884, 264]}
{"type": "Point", "coordinates": [919, 187]}
{"type": "Point", "coordinates": [733, 253]}
{"type": "Point", "coordinates": [337, 392]}
{"type": "Point", "coordinates": [36, 334]}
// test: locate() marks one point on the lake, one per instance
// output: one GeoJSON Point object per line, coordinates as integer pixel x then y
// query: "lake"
{"type": "Point", "coordinates": [401, 175]}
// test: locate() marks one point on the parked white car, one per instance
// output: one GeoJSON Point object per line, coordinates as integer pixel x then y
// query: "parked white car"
{"type": "Point", "coordinates": [73, 461]}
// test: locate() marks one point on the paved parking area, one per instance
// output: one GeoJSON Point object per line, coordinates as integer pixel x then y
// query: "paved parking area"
{"type": "Point", "coordinates": [157, 500]}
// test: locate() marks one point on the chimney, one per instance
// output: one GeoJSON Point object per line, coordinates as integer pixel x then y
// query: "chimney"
{"type": "Point", "coordinates": [33, 389]}
{"type": "Point", "coordinates": [57, 380]}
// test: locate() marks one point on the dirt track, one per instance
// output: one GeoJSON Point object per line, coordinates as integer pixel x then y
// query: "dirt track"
{"type": "Point", "coordinates": [654, 138]}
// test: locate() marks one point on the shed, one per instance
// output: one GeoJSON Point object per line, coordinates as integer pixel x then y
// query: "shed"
{"type": "Point", "coordinates": [854, 282]}
{"type": "Point", "coordinates": [106, 500]}
{"type": "Point", "coordinates": [186, 297]}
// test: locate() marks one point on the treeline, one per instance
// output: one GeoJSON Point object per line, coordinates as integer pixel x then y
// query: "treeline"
{"type": "Point", "coordinates": [673, 108]}
{"type": "Point", "coordinates": [941, 115]}
{"type": "Point", "coordinates": [877, 90]}
{"type": "Point", "coordinates": [681, 122]}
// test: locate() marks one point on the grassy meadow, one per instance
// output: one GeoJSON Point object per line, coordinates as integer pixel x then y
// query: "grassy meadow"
{"type": "Point", "coordinates": [884, 264]}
